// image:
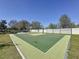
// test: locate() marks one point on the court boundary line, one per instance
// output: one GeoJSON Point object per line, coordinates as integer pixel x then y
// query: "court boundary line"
{"type": "Point", "coordinates": [21, 54]}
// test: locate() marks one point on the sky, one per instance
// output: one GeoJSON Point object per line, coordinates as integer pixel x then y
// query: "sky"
{"type": "Point", "coordinates": [44, 11]}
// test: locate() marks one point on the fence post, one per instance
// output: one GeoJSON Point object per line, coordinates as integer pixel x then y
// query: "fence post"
{"type": "Point", "coordinates": [43, 31]}
{"type": "Point", "coordinates": [60, 30]}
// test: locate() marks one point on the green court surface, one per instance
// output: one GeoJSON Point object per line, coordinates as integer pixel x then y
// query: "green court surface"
{"type": "Point", "coordinates": [42, 42]}
{"type": "Point", "coordinates": [57, 51]}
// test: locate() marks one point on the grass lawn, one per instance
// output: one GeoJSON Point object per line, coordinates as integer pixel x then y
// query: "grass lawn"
{"type": "Point", "coordinates": [42, 42]}
{"type": "Point", "coordinates": [8, 51]}
{"type": "Point", "coordinates": [74, 49]}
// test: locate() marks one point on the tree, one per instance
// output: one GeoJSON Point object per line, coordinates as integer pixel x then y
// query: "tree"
{"type": "Point", "coordinates": [36, 25]}
{"type": "Point", "coordinates": [23, 25]}
{"type": "Point", "coordinates": [65, 21]}
{"type": "Point", "coordinates": [20, 25]}
{"type": "Point", "coordinates": [73, 25]}
{"type": "Point", "coordinates": [3, 25]}
{"type": "Point", "coordinates": [77, 25]}
{"type": "Point", "coordinates": [12, 24]}
{"type": "Point", "coordinates": [52, 26]}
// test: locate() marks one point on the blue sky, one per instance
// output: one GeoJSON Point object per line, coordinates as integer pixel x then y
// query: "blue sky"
{"type": "Point", "coordinates": [45, 11]}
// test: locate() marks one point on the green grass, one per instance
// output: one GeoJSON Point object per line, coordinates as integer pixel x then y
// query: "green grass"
{"type": "Point", "coordinates": [42, 42]}
{"type": "Point", "coordinates": [8, 51]}
{"type": "Point", "coordinates": [74, 48]}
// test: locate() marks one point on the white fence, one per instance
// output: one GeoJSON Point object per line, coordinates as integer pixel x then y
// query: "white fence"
{"type": "Point", "coordinates": [61, 31]}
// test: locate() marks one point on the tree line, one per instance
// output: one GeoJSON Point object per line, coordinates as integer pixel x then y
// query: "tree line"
{"type": "Point", "coordinates": [24, 25]}
{"type": "Point", "coordinates": [64, 22]}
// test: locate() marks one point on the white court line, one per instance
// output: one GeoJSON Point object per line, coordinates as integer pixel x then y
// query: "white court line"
{"type": "Point", "coordinates": [21, 54]}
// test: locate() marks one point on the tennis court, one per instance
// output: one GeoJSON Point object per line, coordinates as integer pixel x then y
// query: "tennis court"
{"type": "Point", "coordinates": [42, 42]}
{"type": "Point", "coordinates": [43, 46]}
